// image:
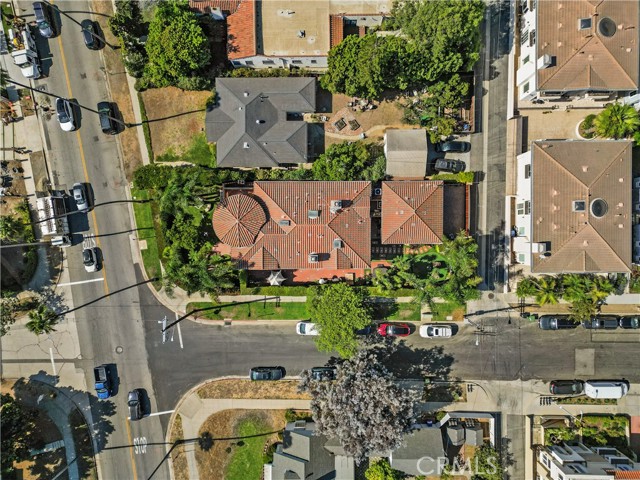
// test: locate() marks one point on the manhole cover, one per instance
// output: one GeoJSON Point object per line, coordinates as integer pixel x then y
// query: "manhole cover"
{"type": "Point", "coordinates": [491, 295]}
{"type": "Point", "coordinates": [119, 349]}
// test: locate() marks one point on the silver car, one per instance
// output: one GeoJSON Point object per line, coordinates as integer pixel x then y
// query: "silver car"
{"type": "Point", "coordinates": [80, 196]}
{"type": "Point", "coordinates": [90, 259]}
{"type": "Point", "coordinates": [66, 119]}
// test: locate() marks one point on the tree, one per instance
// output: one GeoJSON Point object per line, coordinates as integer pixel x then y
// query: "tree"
{"type": "Point", "coordinates": [17, 432]}
{"type": "Point", "coordinates": [176, 46]}
{"type": "Point", "coordinates": [339, 310]}
{"type": "Point", "coordinates": [42, 319]}
{"type": "Point", "coordinates": [487, 464]}
{"type": "Point", "coordinates": [8, 310]}
{"type": "Point", "coordinates": [11, 228]}
{"type": "Point", "coordinates": [381, 470]}
{"type": "Point", "coordinates": [547, 290]}
{"type": "Point", "coordinates": [364, 407]}
{"type": "Point", "coordinates": [199, 271]}
{"type": "Point", "coordinates": [617, 121]}
{"type": "Point", "coordinates": [342, 161]}
{"type": "Point", "coordinates": [460, 256]}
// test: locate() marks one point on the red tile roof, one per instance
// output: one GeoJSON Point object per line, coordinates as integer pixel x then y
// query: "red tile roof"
{"type": "Point", "coordinates": [241, 30]}
{"type": "Point", "coordinates": [620, 474]}
{"type": "Point", "coordinates": [412, 212]}
{"type": "Point", "coordinates": [238, 220]}
{"type": "Point", "coordinates": [342, 240]}
{"type": "Point", "coordinates": [336, 28]}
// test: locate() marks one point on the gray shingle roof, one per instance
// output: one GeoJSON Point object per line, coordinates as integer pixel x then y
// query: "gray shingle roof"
{"type": "Point", "coordinates": [406, 152]}
{"type": "Point", "coordinates": [420, 452]}
{"type": "Point", "coordinates": [250, 124]}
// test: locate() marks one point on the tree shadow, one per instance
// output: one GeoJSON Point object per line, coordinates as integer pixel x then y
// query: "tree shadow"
{"type": "Point", "coordinates": [66, 406]}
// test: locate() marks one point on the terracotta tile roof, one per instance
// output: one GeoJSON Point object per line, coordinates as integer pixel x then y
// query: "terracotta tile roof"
{"type": "Point", "coordinates": [412, 212]}
{"type": "Point", "coordinates": [603, 56]}
{"type": "Point", "coordinates": [239, 220]}
{"type": "Point", "coordinates": [299, 222]}
{"type": "Point", "coordinates": [578, 239]}
{"type": "Point", "coordinates": [241, 29]}
{"type": "Point", "coordinates": [622, 475]}
{"type": "Point", "coordinates": [336, 29]}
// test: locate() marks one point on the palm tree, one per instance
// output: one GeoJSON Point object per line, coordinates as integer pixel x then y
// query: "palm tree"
{"type": "Point", "coordinates": [547, 290]}
{"type": "Point", "coordinates": [526, 287]}
{"type": "Point", "coordinates": [576, 287]}
{"type": "Point", "coordinates": [617, 121]}
{"type": "Point", "coordinates": [42, 319]}
{"type": "Point", "coordinates": [600, 289]}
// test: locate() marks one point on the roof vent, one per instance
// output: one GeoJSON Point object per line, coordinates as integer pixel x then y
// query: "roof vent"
{"type": "Point", "coordinates": [378, 191]}
{"type": "Point", "coordinates": [599, 208]}
{"type": "Point", "coordinates": [246, 94]}
{"type": "Point", "coordinates": [301, 33]}
{"type": "Point", "coordinates": [313, 214]}
{"type": "Point", "coordinates": [579, 206]}
{"type": "Point", "coordinates": [584, 23]}
{"type": "Point", "coordinates": [336, 206]}
{"type": "Point", "coordinates": [337, 243]}
{"type": "Point", "coordinates": [284, 223]}
{"type": "Point", "coordinates": [245, 145]}
{"type": "Point", "coordinates": [607, 27]}
{"type": "Point", "coordinates": [314, 258]}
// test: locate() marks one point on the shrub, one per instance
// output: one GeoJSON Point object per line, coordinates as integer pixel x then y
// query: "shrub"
{"type": "Point", "coordinates": [243, 275]}
{"type": "Point", "coordinates": [134, 62]}
{"type": "Point", "coordinates": [193, 83]}
{"type": "Point", "coordinates": [145, 125]}
{"type": "Point", "coordinates": [462, 177]}
{"type": "Point", "coordinates": [152, 176]}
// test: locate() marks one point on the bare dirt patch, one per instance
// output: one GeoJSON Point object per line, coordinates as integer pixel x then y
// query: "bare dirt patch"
{"type": "Point", "coordinates": [221, 425]}
{"type": "Point", "coordinates": [175, 117]}
{"type": "Point", "coordinates": [240, 388]}
{"type": "Point", "coordinates": [178, 456]}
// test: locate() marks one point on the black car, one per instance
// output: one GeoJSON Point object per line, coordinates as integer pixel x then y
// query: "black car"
{"type": "Point", "coordinates": [43, 19]}
{"type": "Point", "coordinates": [601, 323]}
{"type": "Point", "coordinates": [457, 147]}
{"type": "Point", "coordinates": [134, 402]}
{"type": "Point", "coordinates": [266, 373]}
{"type": "Point", "coordinates": [107, 124]}
{"type": "Point", "coordinates": [556, 322]}
{"type": "Point", "coordinates": [88, 34]}
{"type": "Point", "coordinates": [629, 322]}
{"type": "Point", "coordinates": [324, 373]}
{"type": "Point", "coordinates": [453, 166]}
{"type": "Point", "coordinates": [566, 387]}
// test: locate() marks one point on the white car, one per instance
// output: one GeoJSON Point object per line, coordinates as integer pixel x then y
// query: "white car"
{"type": "Point", "coordinates": [307, 328]}
{"type": "Point", "coordinates": [90, 259]}
{"type": "Point", "coordinates": [64, 110]}
{"type": "Point", "coordinates": [436, 331]}
{"type": "Point", "coordinates": [80, 197]}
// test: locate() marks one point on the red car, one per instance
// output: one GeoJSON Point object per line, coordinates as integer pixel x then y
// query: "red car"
{"type": "Point", "coordinates": [394, 330]}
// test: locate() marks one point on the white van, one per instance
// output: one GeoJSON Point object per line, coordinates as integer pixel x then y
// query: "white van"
{"type": "Point", "coordinates": [61, 241]}
{"type": "Point", "coordinates": [606, 388]}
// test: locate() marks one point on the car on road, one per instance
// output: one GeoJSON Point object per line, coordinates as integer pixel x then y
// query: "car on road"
{"type": "Point", "coordinates": [107, 124]}
{"type": "Point", "coordinates": [629, 322]}
{"type": "Point", "coordinates": [90, 259]}
{"type": "Point", "coordinates": [43, 19]}
{"type": "Point", "coordinates": [394, 329]}
{"type": "Point", "coordinates": [66, 118]}
{"type": "Point", "coordinates": [88, 34]}
{"type": "Point", "coordinates": [134, 402]}
{"type": "Point", "coordinates": [452, 146]}
{"type": "Point", "coordinates": [450, 165]}
{"type": "Point", "coordinates": [266, 373]}
{"type": "Point", "coordinates": [606, 388]}
{"type": "Point", "coordinates": [436, 331]}
{"type": "Point", "coordinates": [556, 322]}
{"type": "Point", "coordinates": [306, 328]}
{"type": "Point", "coordinates": [80, 196]}
{"type": "Point", "coordinates": [601, 323]}
{"type": "Point", "coordinates": [566, 387]}
{"type": "Point", "coordinates": [324, 373]}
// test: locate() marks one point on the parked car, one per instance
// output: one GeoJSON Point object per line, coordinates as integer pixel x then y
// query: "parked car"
{"type": "Point", "coordinates": [306, 328]}
{"type": "Point", "coordinates": [556, 322]}
{"type": "Point", "coordinates": [43, 19]}
{"type": "Point", "coordinates": [601, 323]}
{"type": "Point", "coordinates": [90, 259]}
{"type": "Point", "coordinates": [134, 402]}
{"type": "Point", "coordinates": [368, 330]}
{"type": "Point", "coordinates": [88, 34]}
{"type": "Point", "coordinates": [324, 373]}
{"type": "Point", "coordinates": [566, 387]}
{"type": "Point", "coordinates": [80, 196]}
{"type": "Point", "coordinates": [66, 118]}
{"type": "Point", "coordinates": [394, 329]}
{"type": "Point", "coordinates": [107, 124]}
{"type": "Point", "coordinates": [449, 165]}
{"type": "Point", "coordinates": [629, 322]}
{"type": "Point", "coordinates": [436, 331]}
{"type": "Point", "coordinates": [102, 382]}
{"type": "Point", "coordinates": [453, 146]}
{"type": "Point", "coordinates": [266, 373]}
{"type": "Point", "coordinates": [606, 388]}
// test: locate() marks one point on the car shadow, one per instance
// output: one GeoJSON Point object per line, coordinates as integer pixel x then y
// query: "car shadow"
{"type": "Point", "coordinates": [112, 370]}
{"type": "Point", "coordinates": [145, 402]}
{"type": "Point", "coordinates": [44, 53]}
{"type": "Point", "coordinates": [117, 114]}
{"type": "Point", "coordinates": [77, 112]}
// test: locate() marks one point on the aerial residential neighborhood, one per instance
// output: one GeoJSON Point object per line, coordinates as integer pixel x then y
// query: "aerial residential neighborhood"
{"type": "Point", "coordinates": [320, 239]}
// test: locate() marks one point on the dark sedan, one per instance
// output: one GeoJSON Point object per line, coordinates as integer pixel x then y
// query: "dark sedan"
{"type": "Point", "coordinates": [458, 147]}
{"type": "Point", "coordinates": [566, 387]}
{"type": "Point", "coordinates": [556, 322]}
{"type": "Point", "coordinates": [394, 330]}
{"type": "Point", "coordinates": [266, 373]}
{"type": "Point", "coordinates": [601, 323]}
{"type": "Point", "coordinates": [629, 322]}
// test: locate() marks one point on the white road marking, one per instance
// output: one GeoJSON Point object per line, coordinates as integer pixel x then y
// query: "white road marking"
{"type": "Point", "coordinates": [140, 445]}
{"type": "Point", "coordinates": [180, 336]}
{"type": "Point", "coordinates": [160, 413]}
{"type": "Point", "coordinates": [101, 279]}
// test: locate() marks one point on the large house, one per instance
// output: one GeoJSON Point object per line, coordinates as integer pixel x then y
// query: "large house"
{"type": "Point", "coordinates": [258, 122]}
{"type": "Point", "coordinates": [573, 207]}
{"type": "Point", "coordinates": [283, 34]}
{"type": "Point", "coordinates": [575, 461]}
{"type": "Point", "coordinates": [578, 48]}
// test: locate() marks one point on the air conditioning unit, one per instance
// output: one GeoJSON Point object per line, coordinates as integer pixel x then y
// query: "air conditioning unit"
{"type": "Point", "coordinates": [337, 243]}
{"type": "Point", "coordinates": [314, 258]}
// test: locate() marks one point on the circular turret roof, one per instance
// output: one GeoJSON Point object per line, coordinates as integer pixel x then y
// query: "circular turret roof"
{"type": "Point", "coordinates": [238, 220]}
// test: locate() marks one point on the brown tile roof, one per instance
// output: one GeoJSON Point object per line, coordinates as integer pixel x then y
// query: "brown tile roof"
{"type": "Point", "coordinates": [337, 30]}
{"type": "Point", "coordinates": [287, 247]}
{"type": "Point", "coordinates": [587, 58]}
{"type": "Point", "coordinates": [239, 220]}
{"type": "Point", "coordinates": [622, 475]}
{"type": "Point", "coordinates": [412, 212]}
{"type": "Point", "coordinates": [241, 30]}
{"type": "Point", "coordinates": [579, 241]}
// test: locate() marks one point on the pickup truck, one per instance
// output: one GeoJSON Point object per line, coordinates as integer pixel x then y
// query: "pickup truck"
{"type": "Point", "coordinates": [103, 383]}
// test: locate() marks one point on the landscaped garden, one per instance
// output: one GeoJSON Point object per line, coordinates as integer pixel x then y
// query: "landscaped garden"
{"type": "Point", "coordinates": [593, 431]}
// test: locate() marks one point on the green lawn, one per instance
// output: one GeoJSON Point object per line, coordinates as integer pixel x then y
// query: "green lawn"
{"type": "Point", "coordinates": [200, 152]}
{"type": "Point", "coordinates": [441, 311]}
{"type": "Point", "coordinates": [246, 459]}
{"type": "Point", "coordinates": [254, 311]}
{"type": "Point", "coordinates": [146, 231]}
{"type": "Point", "coordinates": [406, 311]}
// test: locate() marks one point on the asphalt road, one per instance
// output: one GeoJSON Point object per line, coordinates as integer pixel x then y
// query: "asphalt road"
{"type": "Point", "coordinates": [110, 330]}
